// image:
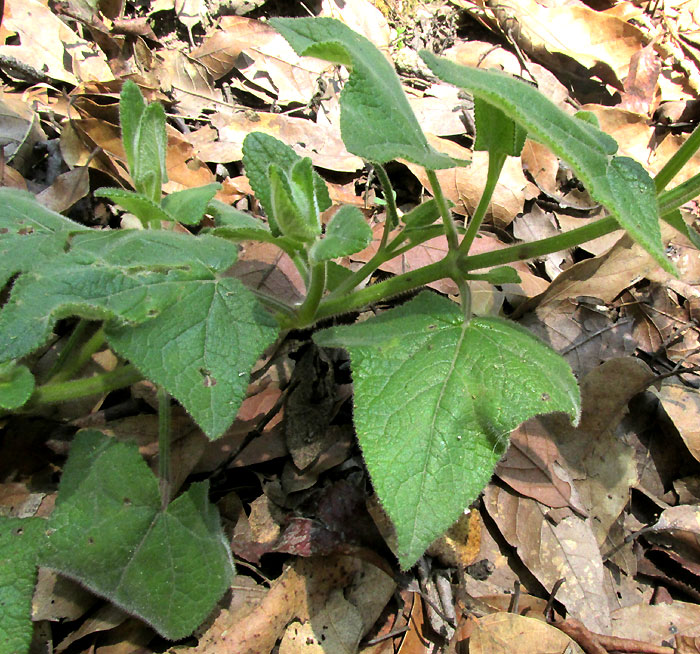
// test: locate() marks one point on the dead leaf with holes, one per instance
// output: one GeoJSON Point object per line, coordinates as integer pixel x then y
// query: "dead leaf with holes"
{"type": "Point", "coordinates": [555, 549]}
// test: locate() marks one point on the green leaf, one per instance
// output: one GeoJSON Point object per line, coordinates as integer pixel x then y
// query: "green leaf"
{"type": "Point", "coordinates": [376, 121]}
{"type": "Point", "coordinates": [131, 106]}
{"type": "Point", "coordinates": [203, 355]}
{"type": "Point", "coordinates": [20, 541]}
{"type": "Point", "coordinates": [189, 206]}
{"type": "Point", "coordinates": [435, 402]}
{"type": "Point", "coordinates": [16, 385]}
{"type": "Point", "coordinates": [108, 532]}
{"type": "Point", "coordinates": [30, 234]}
{"type": "Point", "coordinates": [301, 183]}
{"type": "Point", "coordinates": [500, 275]}
{"type": "Point", "coordinates": [336, 275]}
{"type": "Point", "coordinates": [183, 326]}
{"type": "Point", "coordinates": [145, 209]}
{"type": "Point", "coordinates": [618, 183]}
{"type": "Point", "coordinates": [259, 151]}
{"type": "Point", "coordinates": [292, 223]}
{"type": "Point", "coordinates": [346, 233]}
{"type": "Point", "coordinates": [675, 219]}
{"type": "Point", "coordinates": [426, 213]}
{"type": "Point", "coordinates": [149, 171]}
{"type": "Point", "coordinates": [496, 132]}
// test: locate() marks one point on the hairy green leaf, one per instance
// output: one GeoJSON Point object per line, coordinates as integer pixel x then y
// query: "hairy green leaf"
{"type": "Point", "coordinates": [20, 541]}
{"type": "Point", "coordinates": [618, 183]}
{"type": "Point", "coordinates": [16, 385]}
{"type": "Point", "coordinates": [149, 171]}
{"type": "Point", "coordinates": [188, 206]}
{"type": "Point", "coordinates": [346, 233]}
{"type": "Point", "coordinates": [259, 152]}
{"type": "Point", "coordinates": [30, 234]}
{"type": "Point", "coordinates": [109, 532]}
{"type": "Point", "coordinates": [376, 121]}
{"type": "Point", "coordinates": [435, 401]}
{"type": "Point", "coordinates": [145, 209]}
{"type": "Point", "coordinates": [131, 106]}
{"type": "Point", "coordinates": [495, 131]}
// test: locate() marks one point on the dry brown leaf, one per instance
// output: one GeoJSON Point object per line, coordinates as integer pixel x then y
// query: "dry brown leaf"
{"type": "Point", "coordinates": [464, 185]}
{"type": "Point", "coordinates": [415, 640]}
{"type": "Point", "coordinates": [460, 545]}
{"type": "Point", "coordinates": [49, 46]}
{"type": "Point", "coordinates": [66, 190]}
{"type": "Point", "coordinates": [552, 551]}
{"type": "Point", "coordinates": [657, 624]}
{"type": "Point", "coordinates": [682, 404]}
{"type": "Point", "coordinates": [263, 57]}
{"type": "Point", "coordinates": [533, 467]}
{"type": "Point", "coordinates": [504, 633]}
{"type": "Point", "coordinates": [641, 83]}
{"type": "Point", "coordinates": [601, 464]}
{"type": "Point", "coordinates": [20, 130]}
{"type": "Point", "coordinates": [322, 144]}
{"type": "Point", "coordinates": [589, 38]}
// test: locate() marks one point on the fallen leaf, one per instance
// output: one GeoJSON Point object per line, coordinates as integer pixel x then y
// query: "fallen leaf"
{"type": "Point", "coordinates": [640, 85]}
{"type": "Point", "coordinates": [658, 624]}
{"type": "Point", "coordinates": [552, 551]}
{"type": "Point", "coordinates": [504, 633]}
{"type": "Point", "coordinates": [682, 404]}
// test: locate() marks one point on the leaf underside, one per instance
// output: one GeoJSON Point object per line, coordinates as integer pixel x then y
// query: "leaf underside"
{"type": "Point", "coordinates": [435, 402]}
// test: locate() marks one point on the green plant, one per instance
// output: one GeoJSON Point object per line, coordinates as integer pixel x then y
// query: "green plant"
{"type": "Point", "coordinates": [437, 390]}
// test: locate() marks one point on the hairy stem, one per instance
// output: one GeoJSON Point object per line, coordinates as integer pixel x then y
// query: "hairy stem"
{"type": "Point", "coordinates": [447, 220]}
{"type": "Point", "coordinates": [164, 458]}
{"type": "Point", "coordinates": [496, 163]}
{"type": "Point", "coordinates": [79, 388]}
{"type": "Point", "coordinates": [75, 364]}
{"type": "Point", "coordinates": [314, 293]}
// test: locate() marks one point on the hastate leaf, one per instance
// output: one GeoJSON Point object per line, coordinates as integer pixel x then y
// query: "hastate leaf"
{"type": "Point", "coordinates": [618, 183]}
{"type": "Point", "coordinates": [169, 311]}
{"type": "Point", "coordinates": [376, 121]}
{"type": "Point", "coordinates": [109, 532]}
{"type": "Point", "coordinates": [435, 401]}
{"type": "Point", "coordinates": [20, 542]}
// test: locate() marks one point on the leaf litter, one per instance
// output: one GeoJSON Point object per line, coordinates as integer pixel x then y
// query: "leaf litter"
{"type": "Point", "coordinates": [601, 520]}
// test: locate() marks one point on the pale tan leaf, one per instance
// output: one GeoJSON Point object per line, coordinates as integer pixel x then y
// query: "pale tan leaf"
{"type": "Point", "coordinates": [682, 404]}
{"type": "Point", "coordinates": [362, 17]}
{"type": "Point", "coordinates": [505, 633]}
{"type": "Point", "coordinates": [658, 624]}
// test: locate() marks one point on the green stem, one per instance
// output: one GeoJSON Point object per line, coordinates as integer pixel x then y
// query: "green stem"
{"type": "Point", "coordinates": [383, 290]}
{"type": "Point", "coordinates": [392, 212]}
{"type": "Point", "coordinates": [447, 220]}
{"type": "Point", "coordinates": [524, 251]}
{"type": "Point", "coordinates": [71, 368]}
{"type": "Point", "coordinates": [164, 458]}
{"type": "Point", "coordinates": [314, 293]}
{"type": "Point", "coordinates": [78, 388]}
{"type": "Point", "coordinates": [496, 163]}
{"type": "Point", "coordinates": [76, 335]}
{"type": "Point", "coordinates": [679, 195]}
{"type": "Point", "coordinates": [677, 161]}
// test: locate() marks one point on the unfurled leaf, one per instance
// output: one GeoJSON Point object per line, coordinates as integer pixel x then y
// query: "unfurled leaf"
{"type": "Point", "coordinates": [189, 205]}
{"type": "Point", "coordinates": [20, 541]}
{"type": "Point", "coordinates": [435, 401]}
{"type": "Point", "coordinates": [16, 385]}
{"type": "Point", "coordinates": [426, 213]}
{"type": "Point", "coordinates": [109, 532]}
{"type": "Point", "coordinates": [30, 234]}
{"type": "Point", "coordinates": [618, 183]}
{"type": "Point", "coordinates": [259, 152]}
{"type": "Point", "coordinates": [346, 233]}
{"type": "Point", "coordinates": [500, 275]}
{"type": "Point", "coordinates": [376, 121]}
{"type": "Point", "coordinates": [145, 209]}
